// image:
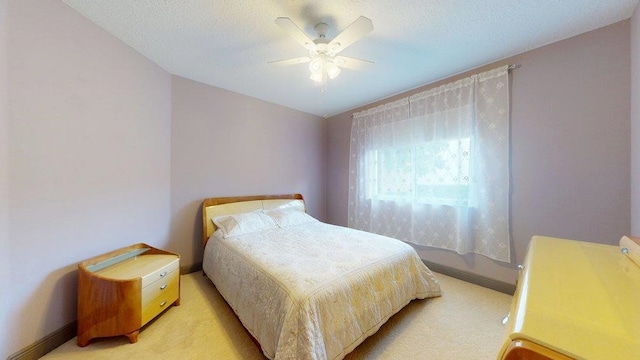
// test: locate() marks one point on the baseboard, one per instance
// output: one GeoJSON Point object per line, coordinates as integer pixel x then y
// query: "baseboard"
{"type": "Point", "coordinates": [47, 344]}
{"type": "Point", "coordinates": [480, 280]}
{"type": "Point", "coordinates": [67, 332]}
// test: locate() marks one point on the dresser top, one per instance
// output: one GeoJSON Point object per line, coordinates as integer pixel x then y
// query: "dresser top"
{"type": "Point", "coordinates": [580, 299]}
{"type": "Point", "coordinates": [138, 266]}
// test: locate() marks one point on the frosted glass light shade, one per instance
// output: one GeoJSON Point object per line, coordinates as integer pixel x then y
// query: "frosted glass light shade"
{"type": "Point", "coordinates": [316, 76]}
{"type": "Point", "coordinates": [332, 70]}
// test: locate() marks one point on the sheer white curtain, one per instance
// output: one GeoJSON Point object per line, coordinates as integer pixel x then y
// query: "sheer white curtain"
{"type": "Point", "coordinates": [433, 169]}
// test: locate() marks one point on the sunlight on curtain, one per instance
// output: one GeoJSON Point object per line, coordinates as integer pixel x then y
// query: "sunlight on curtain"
{"type": "Point", "coordinates": [433, 169]}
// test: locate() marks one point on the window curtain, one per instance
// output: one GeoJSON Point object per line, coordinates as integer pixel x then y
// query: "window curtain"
{"type": "Point", "coordinates": [433, 169]}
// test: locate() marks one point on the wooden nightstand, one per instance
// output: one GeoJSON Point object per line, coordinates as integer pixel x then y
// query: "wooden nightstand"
{"type": "Point", "coordinates": [119, 292]}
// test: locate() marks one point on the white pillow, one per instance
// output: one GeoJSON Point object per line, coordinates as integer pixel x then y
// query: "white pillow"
{"type": "Point", "coordinates": [273, 204]}
{"type": "Point", "coordinates": [289, 217]}
{"type": "Point", "coordinates": [244, 223]}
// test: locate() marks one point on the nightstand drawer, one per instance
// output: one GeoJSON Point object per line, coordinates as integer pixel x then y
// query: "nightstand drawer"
{"type": "Point", "coordinates": [148, 268]}
{"type": "Point", "coordinates": [161, 272]}
{"type": "Point", "coordinates": [168, 296]}
{"type": "Point", "coordinates": [159, 286]}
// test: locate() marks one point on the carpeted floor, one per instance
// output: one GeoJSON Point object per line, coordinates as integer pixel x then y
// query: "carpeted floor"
{"type": "Point", "coordinates": [462, 324]}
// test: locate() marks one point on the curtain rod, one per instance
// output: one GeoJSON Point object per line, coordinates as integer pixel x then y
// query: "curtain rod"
{"type": "Point", "coordinates": [509, 67]}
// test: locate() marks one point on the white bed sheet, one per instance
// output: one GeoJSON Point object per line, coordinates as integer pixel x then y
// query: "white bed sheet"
{"type": "Point", "coordinates": [315, 291]}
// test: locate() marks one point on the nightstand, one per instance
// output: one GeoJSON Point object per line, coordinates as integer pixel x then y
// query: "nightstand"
{"type": "Point", "coordinates": [121, 291]}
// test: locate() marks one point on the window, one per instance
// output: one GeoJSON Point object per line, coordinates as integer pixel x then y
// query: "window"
{"type": "Point", "coordinates": [434, 172]}
{"type": "Point", "coordinates": [433, 169]}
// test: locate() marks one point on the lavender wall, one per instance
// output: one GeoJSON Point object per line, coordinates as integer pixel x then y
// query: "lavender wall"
{"type": "Point", "coordinates": [102, 149]}
{"type": "Point", "coordinates": [225, 144]}
{"type": "Point", "coordinates": [4, 176]}
{"type": "Point", "coordinates": [89, 159]}
{"type": "Point", "coordinates": [570, 147]}
{"type": "Point", "coordinates": [90, 147]}
{"type": "Point", "coordinates": [635, 122]}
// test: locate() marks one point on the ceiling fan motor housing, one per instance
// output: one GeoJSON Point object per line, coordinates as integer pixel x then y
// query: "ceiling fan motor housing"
{"type": "Point", "coordinates": [321, 29]}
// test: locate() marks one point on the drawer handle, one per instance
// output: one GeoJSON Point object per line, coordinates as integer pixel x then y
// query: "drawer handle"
{"type": "Point", "coordinates": [163, 287]}
{"type": "Point", "coordinates": [163, 303]}
{"type": "Point", "coordinates": [520, 268]}
{"type": "Point", "coordinates": [162, 274]}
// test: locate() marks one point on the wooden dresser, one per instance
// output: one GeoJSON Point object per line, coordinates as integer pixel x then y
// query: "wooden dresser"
{"type": "Point", "coordinates": [574, 300]}
{"type": "Point", "coordinates": [119, 292]}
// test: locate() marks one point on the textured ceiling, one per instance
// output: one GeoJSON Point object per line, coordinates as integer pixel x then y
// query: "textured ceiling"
{"type": "Point", "coordinates": [227, 43]}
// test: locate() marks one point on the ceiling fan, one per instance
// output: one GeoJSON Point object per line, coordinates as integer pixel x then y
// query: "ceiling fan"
{"type": "Point", "coordinates": [323, 56]}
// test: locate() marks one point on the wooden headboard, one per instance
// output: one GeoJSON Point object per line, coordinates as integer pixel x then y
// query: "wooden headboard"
{"type": "Point", "coordinates": [249, 203]}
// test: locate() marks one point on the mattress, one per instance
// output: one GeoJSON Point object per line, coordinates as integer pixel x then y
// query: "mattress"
{"type": "Point", "coordinates": [314, 290]}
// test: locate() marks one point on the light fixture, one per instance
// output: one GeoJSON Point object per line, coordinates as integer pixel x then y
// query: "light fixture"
{"type": "Point", "coordinates": [332, 70]}
{"type": "Point", "coordinates": [316, 66]}
{"type": "Point", "coordinates": [322, 57]}
{"type": "Point", "coordinates": [316, 76]}
{"type": "Point", "coordinates": [322, 63]}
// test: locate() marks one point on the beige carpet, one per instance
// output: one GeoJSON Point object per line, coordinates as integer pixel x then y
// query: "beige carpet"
{"type": "Point", "coordinates": [462, 324]}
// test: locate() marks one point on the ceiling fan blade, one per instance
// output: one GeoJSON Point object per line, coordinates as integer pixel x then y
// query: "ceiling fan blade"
{"type": "Point", "coordinates": [351, 63]}
{"type": "Point", "coordinates": [294, 31]}
{"type": "Point", "coordinates": [353, 32]}
{"type": "Point", "coordinates": [287, 62]}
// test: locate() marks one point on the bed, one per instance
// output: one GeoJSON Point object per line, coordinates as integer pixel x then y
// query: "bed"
{"type": "Point", "coordinates": [302, 288]}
